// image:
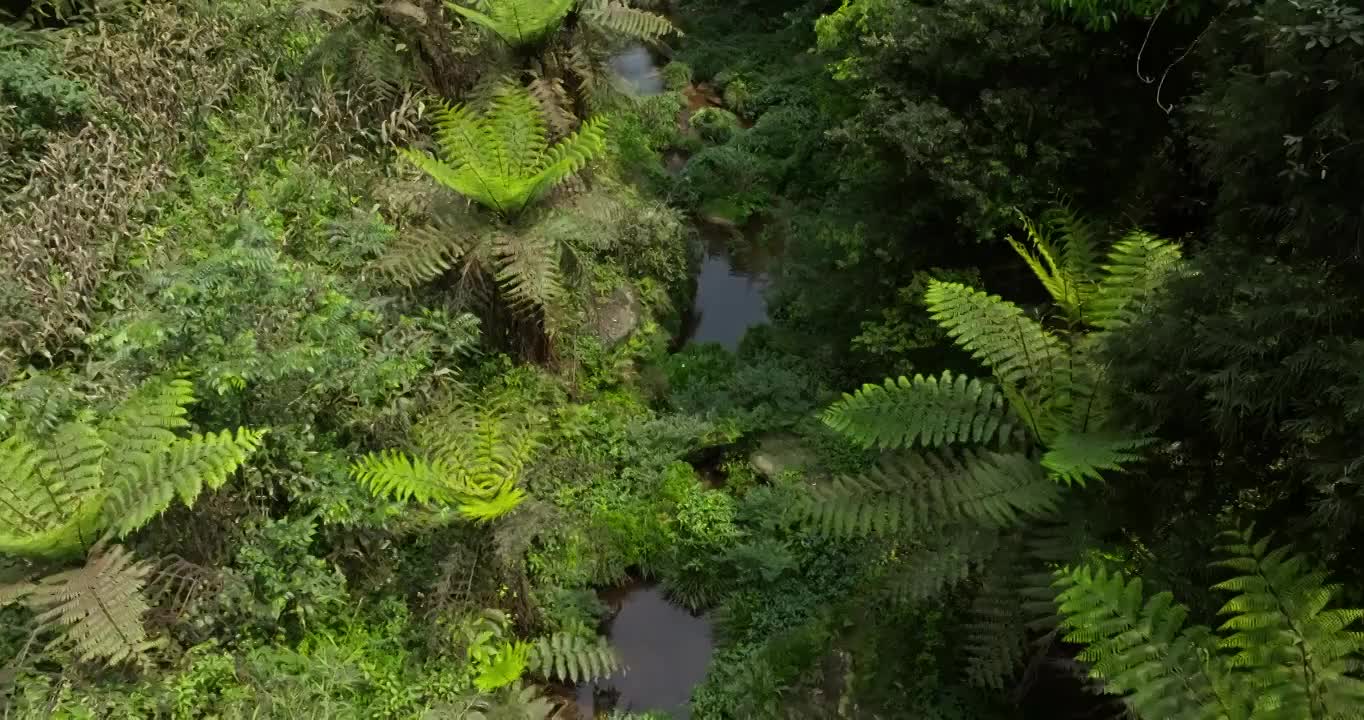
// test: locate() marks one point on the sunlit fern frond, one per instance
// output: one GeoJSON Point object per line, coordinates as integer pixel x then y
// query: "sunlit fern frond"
{"type": "Point", "coordinates": [501, 157]}
{"type": "Point", "coordinates": [518, 22]}
{"type": "Point", "coordinates": [1061, 253]}
{"type": "Point", "coordinates": [925, 411]}
{"type": "Point", "coordinates": [922, 491]}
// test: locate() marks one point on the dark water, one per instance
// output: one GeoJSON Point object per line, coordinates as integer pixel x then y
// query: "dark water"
{"type": "Point", "coordinates": [730, 287]}
{"type": "Point", "coordinates": [664, 648]}
{"type": "Point", "coordinates": [637, 68]}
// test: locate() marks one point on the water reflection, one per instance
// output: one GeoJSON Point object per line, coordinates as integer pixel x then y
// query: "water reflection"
{"type": "Point", "coordinates": [730, 287]}
{"type": "Point", "coordinates": [636, 67]}
{"type": "Point", "coordinates": [664, 648]}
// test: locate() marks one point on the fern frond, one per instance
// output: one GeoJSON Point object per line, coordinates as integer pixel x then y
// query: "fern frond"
{"type": "Point", "coordinates": [1301, 654]}
{"type": "Point", "coordinates": [950, 556]}
{"type": "Point", "coordinates": [183, 469]}
{"type": "Point", "coordinates": [97, 608]}
{"type": "Point", "coordinates": [929, 412]}
{"type": "Point", "coordinates": [1061, 254]}
{"type": "Point", "coordinates": [914, 492]}
{"type": "Point", "coordinates": [519, 22]}
{"type": "Point", "coordinates": [616, 17]}
{"type": "Point", "coordinates": [1137, 267]}
{"type": "Point", "coordinates": [500, 158]}
{"type": "Point", "coordinates": [420, 255]}
{"type": "Point", "coordinates": [1141, 648]}
{"type": "Point", "coordinates": [1076, 457]}
{"type": "Point", "coordinates": [572, 658]}
{"type": "Point", "coordinates": [997, 635]}
{"type": "Point", "coordinates": [505, 669]}
{"type": "Point", "coordinates": [49, 496]}
{"type": "Point", "coordinates": [529, 269]}
{"type": "Point", "coordinates": [396, 475]}
{"type": "Point", "coordinates": [145, 424]}
{"type": "Point", "coordinates": [997, 333]}
{"type": "Point", "coordinates": [484, 509]}
{"type": "Point", "coordinates": [554, 102]}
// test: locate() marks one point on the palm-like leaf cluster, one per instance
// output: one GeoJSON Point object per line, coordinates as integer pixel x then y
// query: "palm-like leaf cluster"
{"type": "Point", "coordinates": [500, 156]}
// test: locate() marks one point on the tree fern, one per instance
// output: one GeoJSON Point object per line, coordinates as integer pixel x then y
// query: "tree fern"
{"type": "Point", "coordinates": [501, 157]}
{"type": "Point", "coordinates": [917, 492]}
{"type": "Point", "coordinates": [58, 496]}
{"type": "Point", "coordinates": [97, 608]}
{"type": "Point", "coordinates": [572, 658]}
{"type": "Point", "coordinates": [470, 459]}
{"type": "Point", "coordinates": [928, 412]}
{"type": "Point", "coordinates": [518, 22]}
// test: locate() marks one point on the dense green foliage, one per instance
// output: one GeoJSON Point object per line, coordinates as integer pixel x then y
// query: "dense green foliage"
{"type": "Point", "coordinates": [346, 366]}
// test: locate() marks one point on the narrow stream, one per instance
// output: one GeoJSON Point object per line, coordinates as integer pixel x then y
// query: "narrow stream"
{"type": "Point", "coordinates": [729, 290]}
{"type": "Point", "coordinates": [664, 649]}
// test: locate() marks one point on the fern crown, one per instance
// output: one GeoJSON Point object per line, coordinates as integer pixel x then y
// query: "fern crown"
{"type": "Point", "coordinates": [501, 158]}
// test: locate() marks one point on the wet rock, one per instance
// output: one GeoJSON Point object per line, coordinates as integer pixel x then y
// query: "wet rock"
{"type": "Point", "coordinates": [778, 453]}
{"type": "Point", "coordinates": [618, 315]}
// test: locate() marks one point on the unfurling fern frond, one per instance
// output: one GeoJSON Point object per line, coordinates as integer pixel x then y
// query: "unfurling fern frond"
{"type": "Point", "coordinates": [1061, 254]}
{"type": "Point", "coordinates": [923, 491]}
{"type": "Point", "coordinates": [618, 18]}
{"type": "Point", "coordinates": [519, 22]}
{"type": "Point", "coordinates": [57, 497]}
{"type": "Point", "coordinates": [572, 658]}
{"type": "Point", "coordinates": [1141, 648]}
{"type": "Point", "coordinates": [501, 158]}
{"type": "Point", "coordinates": [471, 460]}
{"type": "Point", "coordinates": [997, 333]}
{"type": "Point", "coordinates": [1076, 457]}
{"type": "Point", "coordinates": [97, 608]}
{"type": "Point", "coordinates": [1137, 267]}
{"type": "Point", "coordinates": [1304, 653]}
{"type": "Point", "coordinates": [929, 412]}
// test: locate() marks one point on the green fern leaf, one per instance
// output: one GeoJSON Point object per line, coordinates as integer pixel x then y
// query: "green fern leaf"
{"type": "Point", "coordinates": [572, 658]}
{"type": "Point", "coordinates": [1075, 458]}
{"type": "Point", "coordinates": [928, 412]}
{"type": "Point", "coordinates": [997, 333]}
{"type": "Point", "coordinates": [529, 269]}
{"type": "Point", "coordinates": [619, 18]}
{"type": "Point", "coordinates": [1138, 265]}
{"type": "Point", "coordinates": [395, 475]}
{"type": "Point", "coordinates": [519, 22]}
{"type": "Point", "coordinates": [950, 556]}
{"type": "Point", "coordinates": [915, 492]}
{"type": "Point", "coordinates": [506, 668]}
{"type": "Point", "coordinates": [1061, 254]}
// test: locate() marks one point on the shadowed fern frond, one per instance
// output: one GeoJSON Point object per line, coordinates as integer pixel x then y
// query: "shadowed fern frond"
{"type": "Point", "coordinates": [950, 556]}
{"type": "Point", "coordinates": [97, 608]}
{"type": "Point", "coordinates": [997, 635]}
{"type": "Point", "coordinates": [528, 269]}
{"type": "Point", "coordinates": [572, 658]}
{"type": "Point", "coordinates": [518, 22]}
{"type": "Point", "coordinates": [928, 412]}
{"type": "Point", "coordinates": [1076, 457]}
{"type": "Point", "coordinates": [914, 492]}
{"type": "Point", "coordinates": [501, 158]}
